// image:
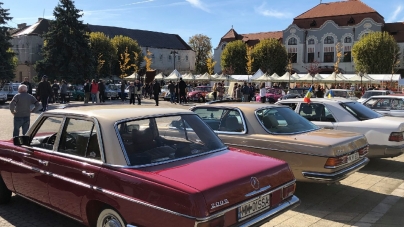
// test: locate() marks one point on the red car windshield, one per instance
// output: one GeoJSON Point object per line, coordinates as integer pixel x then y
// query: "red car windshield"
{"type": "Point", "coordinates": [203, 89]}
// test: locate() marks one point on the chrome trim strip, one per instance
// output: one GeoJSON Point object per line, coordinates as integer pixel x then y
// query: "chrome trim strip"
{"type": "Point", "coordinates": [258, 191]}
{"type": "Point", "coordinates": [59, 212]}
{"type": "Point", "coordinates": [337, 175]}
{"type": "Point", "coordinates": [283, 207]}
{"type": "Point", "coordinates": [263, 148]}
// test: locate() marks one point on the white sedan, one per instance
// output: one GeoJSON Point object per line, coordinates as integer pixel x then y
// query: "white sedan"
{"type": "Point", "coordinates": [384, 134]}
{"type": "Point", "coordinates": [388, 105]}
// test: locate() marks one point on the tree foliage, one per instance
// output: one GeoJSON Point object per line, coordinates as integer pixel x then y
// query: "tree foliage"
{"type": "Point", "coordinates": [7, 56]}
{"type": "Point", "coordinates": [105, 53]}
{"type": "Point", "coordinates": [270, 56]}
{"type": "Point", "coordinates": [376, 53]}
{"type": "Point", "coordinates": [203, 49]}
{"type": "Point", "coordinates": [250, 60]}
{"type": "Point", "coordinates": [148, 60]}
{"type": "Point", "coordinates": [66, 51]}
{"type": "Point", "coordinates": [210, 64]}
{"type": "Point", "coordinates": [234, 57]}
{"type": "Point", "coordinates": [131, 52]}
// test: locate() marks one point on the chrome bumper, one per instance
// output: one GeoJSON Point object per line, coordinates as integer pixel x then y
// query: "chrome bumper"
{"type": "Point", "coordinates": [384, 151]}
{"type": "Point", "coordinates": [273, 212]}
{"type": "Point", "coordinates": [336, 176]}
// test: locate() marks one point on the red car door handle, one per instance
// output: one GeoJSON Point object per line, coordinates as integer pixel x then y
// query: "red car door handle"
{"type": "Point", "coordinates": [45, 163]}
{"type": "Point", "coordinates": [90, 175]}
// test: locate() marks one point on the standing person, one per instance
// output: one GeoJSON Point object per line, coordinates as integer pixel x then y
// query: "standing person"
{"type": "Point", "coordinates": [123, 87]}
{"type": "Point", "coordinates": [245, 91]}
{"type": "Point", "coordinates": [63, 92]}
{"type": "Point", "coordinates": [131, 93]}
{"type": "Point", "coordinates": [252, 91]}
{"type": "Point", "coordinates": [319, 92]}
{"type": "Point", "coordinates": [156, 91]}
{"type": "Point", "coordinates": [94, 91]}
{"type": "Point", "coordinates": [28, 84]}
{"type": "Point", "coordinates": [220, 91]}
{"type": "Point", "coordinates": [214, 89]}
{"type": "Point", "coordinates": [87, 91]}
{"type": "Point", "coordinates": [138, 91]}
{"type": "Point", "coordinates": [234, 90]}
{"type": "Point", "coordinates": [43, 92]}
{"type": "Point", "coordinates": [55, 91]}
{"type": "Point", "coordinates": [171, 88]}
{"type": "Point", "coordinates": [101, 89]}
{"type": "Point", "coordinates": [263, 92]}
{"type": "Point", "coordinates": [20, 107]}
{"type": "Point", "coordinates": [177, 93]}
{"type": "Point", "coordinates": [182, 86]}
{"type": "Point", "coordinates": [238, 92]}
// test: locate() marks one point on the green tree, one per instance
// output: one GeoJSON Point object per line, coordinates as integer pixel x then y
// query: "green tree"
{"type": "Point", "coordinates": [104, 52]}
{"type": "Point", "coordinates": [234, 57]}
{"type": "Point", "coordinates": [130, 49]}
{"type": "Point", "coordinates": [203, 49]}
{"type": "Point", "coordinates": [7, 56]}
{"type": "Point", "coordinates": [270, 56]}
{"type": "Point", "coordinates": [376, 53]}
{"type": "Point", "coordinates": [66, 51]}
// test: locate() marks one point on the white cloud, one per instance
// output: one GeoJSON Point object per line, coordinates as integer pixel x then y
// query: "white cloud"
{"type": "Point", "coordinates": [198, 4]}
{"type": "Point", "coordinates": [271, 12]}
{"type": "Point", "coordinates": [393, 17]}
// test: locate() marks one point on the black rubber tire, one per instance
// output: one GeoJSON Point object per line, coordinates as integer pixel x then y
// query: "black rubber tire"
{"type": "Point", "coordinates": [5, 194]}
{"type": "Point", "coordinates": [80, 98]}
{"type": "Point", "coordinates": [201, 99]}
{"type": "Point", "coordinates": [110, 215]}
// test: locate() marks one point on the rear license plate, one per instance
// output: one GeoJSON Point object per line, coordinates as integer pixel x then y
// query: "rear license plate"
{"type": "Point", "coordinates": [353, 157]}
{"type": "Point", "coordinates": [253, 207]}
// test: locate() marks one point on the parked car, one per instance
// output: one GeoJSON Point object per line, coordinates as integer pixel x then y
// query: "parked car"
{"type": "Point", "coordinates": [3, 97]}
{"type": "Point", "coordinates": [165, 93]}
{"type": "Point", "coordinates": [388, 105]}
{"type": "Point", "coordinates": [272, 95]}
{"type": "Point", "coordinates": [370, 93]}
{"type": "Point", "coordinates": [342, 93]}
{"type": "Point", "coordinates": [112, 91]}
{"type": "Point", "coordinates": [76, 92]}
{"type": "Point", "coordinates": [10, 89]}
{"type": "Point", "coordinates": [199, 93]}
{"type": "Point", "coordinates": [384, 134]}
{"type": "Point", "coordinates": [296, 93]}
{"type": "Point", "coordinates": [314, 154]}
{"type": "Point", "coordinates": [138, 167]}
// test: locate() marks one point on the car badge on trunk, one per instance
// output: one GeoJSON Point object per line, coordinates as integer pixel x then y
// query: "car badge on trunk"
{"type": "Point", "coordinates": [255, 183]}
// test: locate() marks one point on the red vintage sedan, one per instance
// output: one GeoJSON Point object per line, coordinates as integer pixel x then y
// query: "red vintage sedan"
{"type": "Point", "coordinates": [142, 167]}
{"type": "Point", "coordinates": [272, 95]}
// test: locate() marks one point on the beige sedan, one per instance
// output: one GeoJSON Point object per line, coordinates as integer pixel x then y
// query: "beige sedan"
{"type": "Point", "coordinates": [313, 154]}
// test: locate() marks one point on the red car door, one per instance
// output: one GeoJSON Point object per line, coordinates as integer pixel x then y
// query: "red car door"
{"type": "Point", "coordinates": [74, 166]}
{"type": "Point", "coordinates": [31, 163]}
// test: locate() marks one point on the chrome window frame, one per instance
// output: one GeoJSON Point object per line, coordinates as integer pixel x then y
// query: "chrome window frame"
{"type": "Point", "coordinates": [128, 164]}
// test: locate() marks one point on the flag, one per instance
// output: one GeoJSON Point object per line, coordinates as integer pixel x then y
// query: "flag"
{"type": "Point", "coordinates": [330, 94]}
{"type": "Point", "coordinates": [308, 95]}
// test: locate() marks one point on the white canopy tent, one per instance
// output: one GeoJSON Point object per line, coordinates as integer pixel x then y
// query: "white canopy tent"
{"type": "Point", "coordinates": [219, 77]}
{"type": "Point", "coordinates": [334, 77]}
{"type": "Point", "coordinates": [264, 78]}
{"type": "Point", "coordinates": [257, 74]}
{"type": "Point", "coordinates": [357, 78]}
{"type": "Point", "coordinates": [308, 77]}
{"type": "Point", "coordinates": [285, 78]}
{"type": "Point", "coordinates": [159, 76]}
{"type": "Point", "coordinates": [175, 75]}
{"type": "Point", "coordinates": [134, 76]}
{"type": "Point", "coordinates": [188, 76]}
{"type": "Point", "coordinates": [205, 76]}
{"type": "Point", "coordinates": [241, 77]}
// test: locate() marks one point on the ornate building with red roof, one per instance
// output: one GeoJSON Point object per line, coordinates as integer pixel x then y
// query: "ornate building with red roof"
{"type": "Point", "coordinates": [313, 35]}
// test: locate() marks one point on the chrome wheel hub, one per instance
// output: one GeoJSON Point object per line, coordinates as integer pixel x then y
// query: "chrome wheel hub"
{"type": "Point", "coordinates": [111, 221]}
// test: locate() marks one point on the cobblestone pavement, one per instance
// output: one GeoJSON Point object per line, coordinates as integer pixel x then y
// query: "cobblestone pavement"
{"type": "Point", "coordinates": [374, 196]}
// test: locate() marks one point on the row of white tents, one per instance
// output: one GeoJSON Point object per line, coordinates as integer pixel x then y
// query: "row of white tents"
{"type": "Point", "coordinates": [259, 76]}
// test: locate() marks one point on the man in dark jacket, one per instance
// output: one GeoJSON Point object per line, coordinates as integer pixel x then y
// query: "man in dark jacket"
{"type": "Point", "coordinates": [87, 91]}
{"type": "Point", "coordinates": [43, 92]}
{"type": "Point", "coordinates": [28, 84]}
{"type": "Point", "coordinates": [182, 87]}
{"type": "Point", "coordinates": [171, 88]}
{"type": "Point", "coordinates": [245, 91]}
{"type": "Point", "coordinates": [156, 91]}
{"type": "Point", "coordinates": [101, 89]}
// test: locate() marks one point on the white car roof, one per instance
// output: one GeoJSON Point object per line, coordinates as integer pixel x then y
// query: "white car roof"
{"type": "Point", "coordinates": [334, 100]}
{"type": "Point", "coordinates": [388, 96]}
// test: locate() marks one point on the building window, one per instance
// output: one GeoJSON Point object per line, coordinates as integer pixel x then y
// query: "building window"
{"type": "Point", "coordinates": [328, 56]}
{"type": "Point", "coordinates": [292, 41]}
{"type": "Point", "coordinates": [310, 57]}
{"type": "Point", "coordinates": [310, 42]}
{"type": "Point", "coordinates": [179, 58]}
{"type": "Point", "coordinates": [329, 40]}
{"type": "Point", "coordinates": [223, 46]}
{"type": "Point", "coordinates": [186, 58]}
{"type": "Point", "coordinates": [161, 57]}
{"type": "Point", "coordinates": [347, 56]}
{"type": "Point", "coordinates": [152, 56]}
{"type": "Point", "coordinates": [169, 57]}
{"type": "Point", "coordinates": [292, 57]}
{"type": "Point", "coordinates": [348, 39]}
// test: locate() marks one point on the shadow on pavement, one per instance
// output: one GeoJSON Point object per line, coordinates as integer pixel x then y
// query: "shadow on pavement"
{"type": "Point", "coordinates": [385, 167]}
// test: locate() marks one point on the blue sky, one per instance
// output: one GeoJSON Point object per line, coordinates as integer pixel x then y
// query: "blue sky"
{"type": "Point", "coordinates": [186, 18]}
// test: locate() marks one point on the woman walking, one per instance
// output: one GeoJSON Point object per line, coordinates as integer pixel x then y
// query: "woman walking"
{"type": "Point", "coordinates": [94, 91]}
{"type": "Point", "coordinates": [131, 93]}
{"type": "Point", "coordinates": [263, 92]}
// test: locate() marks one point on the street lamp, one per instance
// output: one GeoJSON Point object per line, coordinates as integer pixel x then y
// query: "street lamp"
{"type": "Point", "coordinates": [174, 53]}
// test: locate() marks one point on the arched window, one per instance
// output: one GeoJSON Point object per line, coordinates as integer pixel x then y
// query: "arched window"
{"type": "Point", "coordinates": [310, 42]}
{"type": "Point", "coordinates": [329, 40]}
{"type": "Point", "coordinates": [223, 46]}
{"type": "Point", "coordinates": [348, 39]}
{"type": "Point", "coordinates": [186, 58]}
{"type": "Point", "coordinates": [292, 41]}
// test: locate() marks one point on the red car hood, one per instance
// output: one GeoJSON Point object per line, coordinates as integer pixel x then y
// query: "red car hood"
{"type": "Point", "coordinates": [194, 92]}
{"type": "Point", "coordinates": [225, 177]}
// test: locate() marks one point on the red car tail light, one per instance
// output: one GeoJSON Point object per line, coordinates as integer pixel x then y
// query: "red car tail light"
{"type": "Point", "coordinates": [396, 136]}
{"type": "Point", "coordinates": [334, 162]}
{"type": "Point", "coordinates": [288, 191]}
{"type": "Point", "coordinates": [217, 222]}
{"type": "Point", "coordinates": [363, 151]}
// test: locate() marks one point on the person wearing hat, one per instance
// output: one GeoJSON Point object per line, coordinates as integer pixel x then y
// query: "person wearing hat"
{"type": "Point", "coordinates": [43, 92]}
